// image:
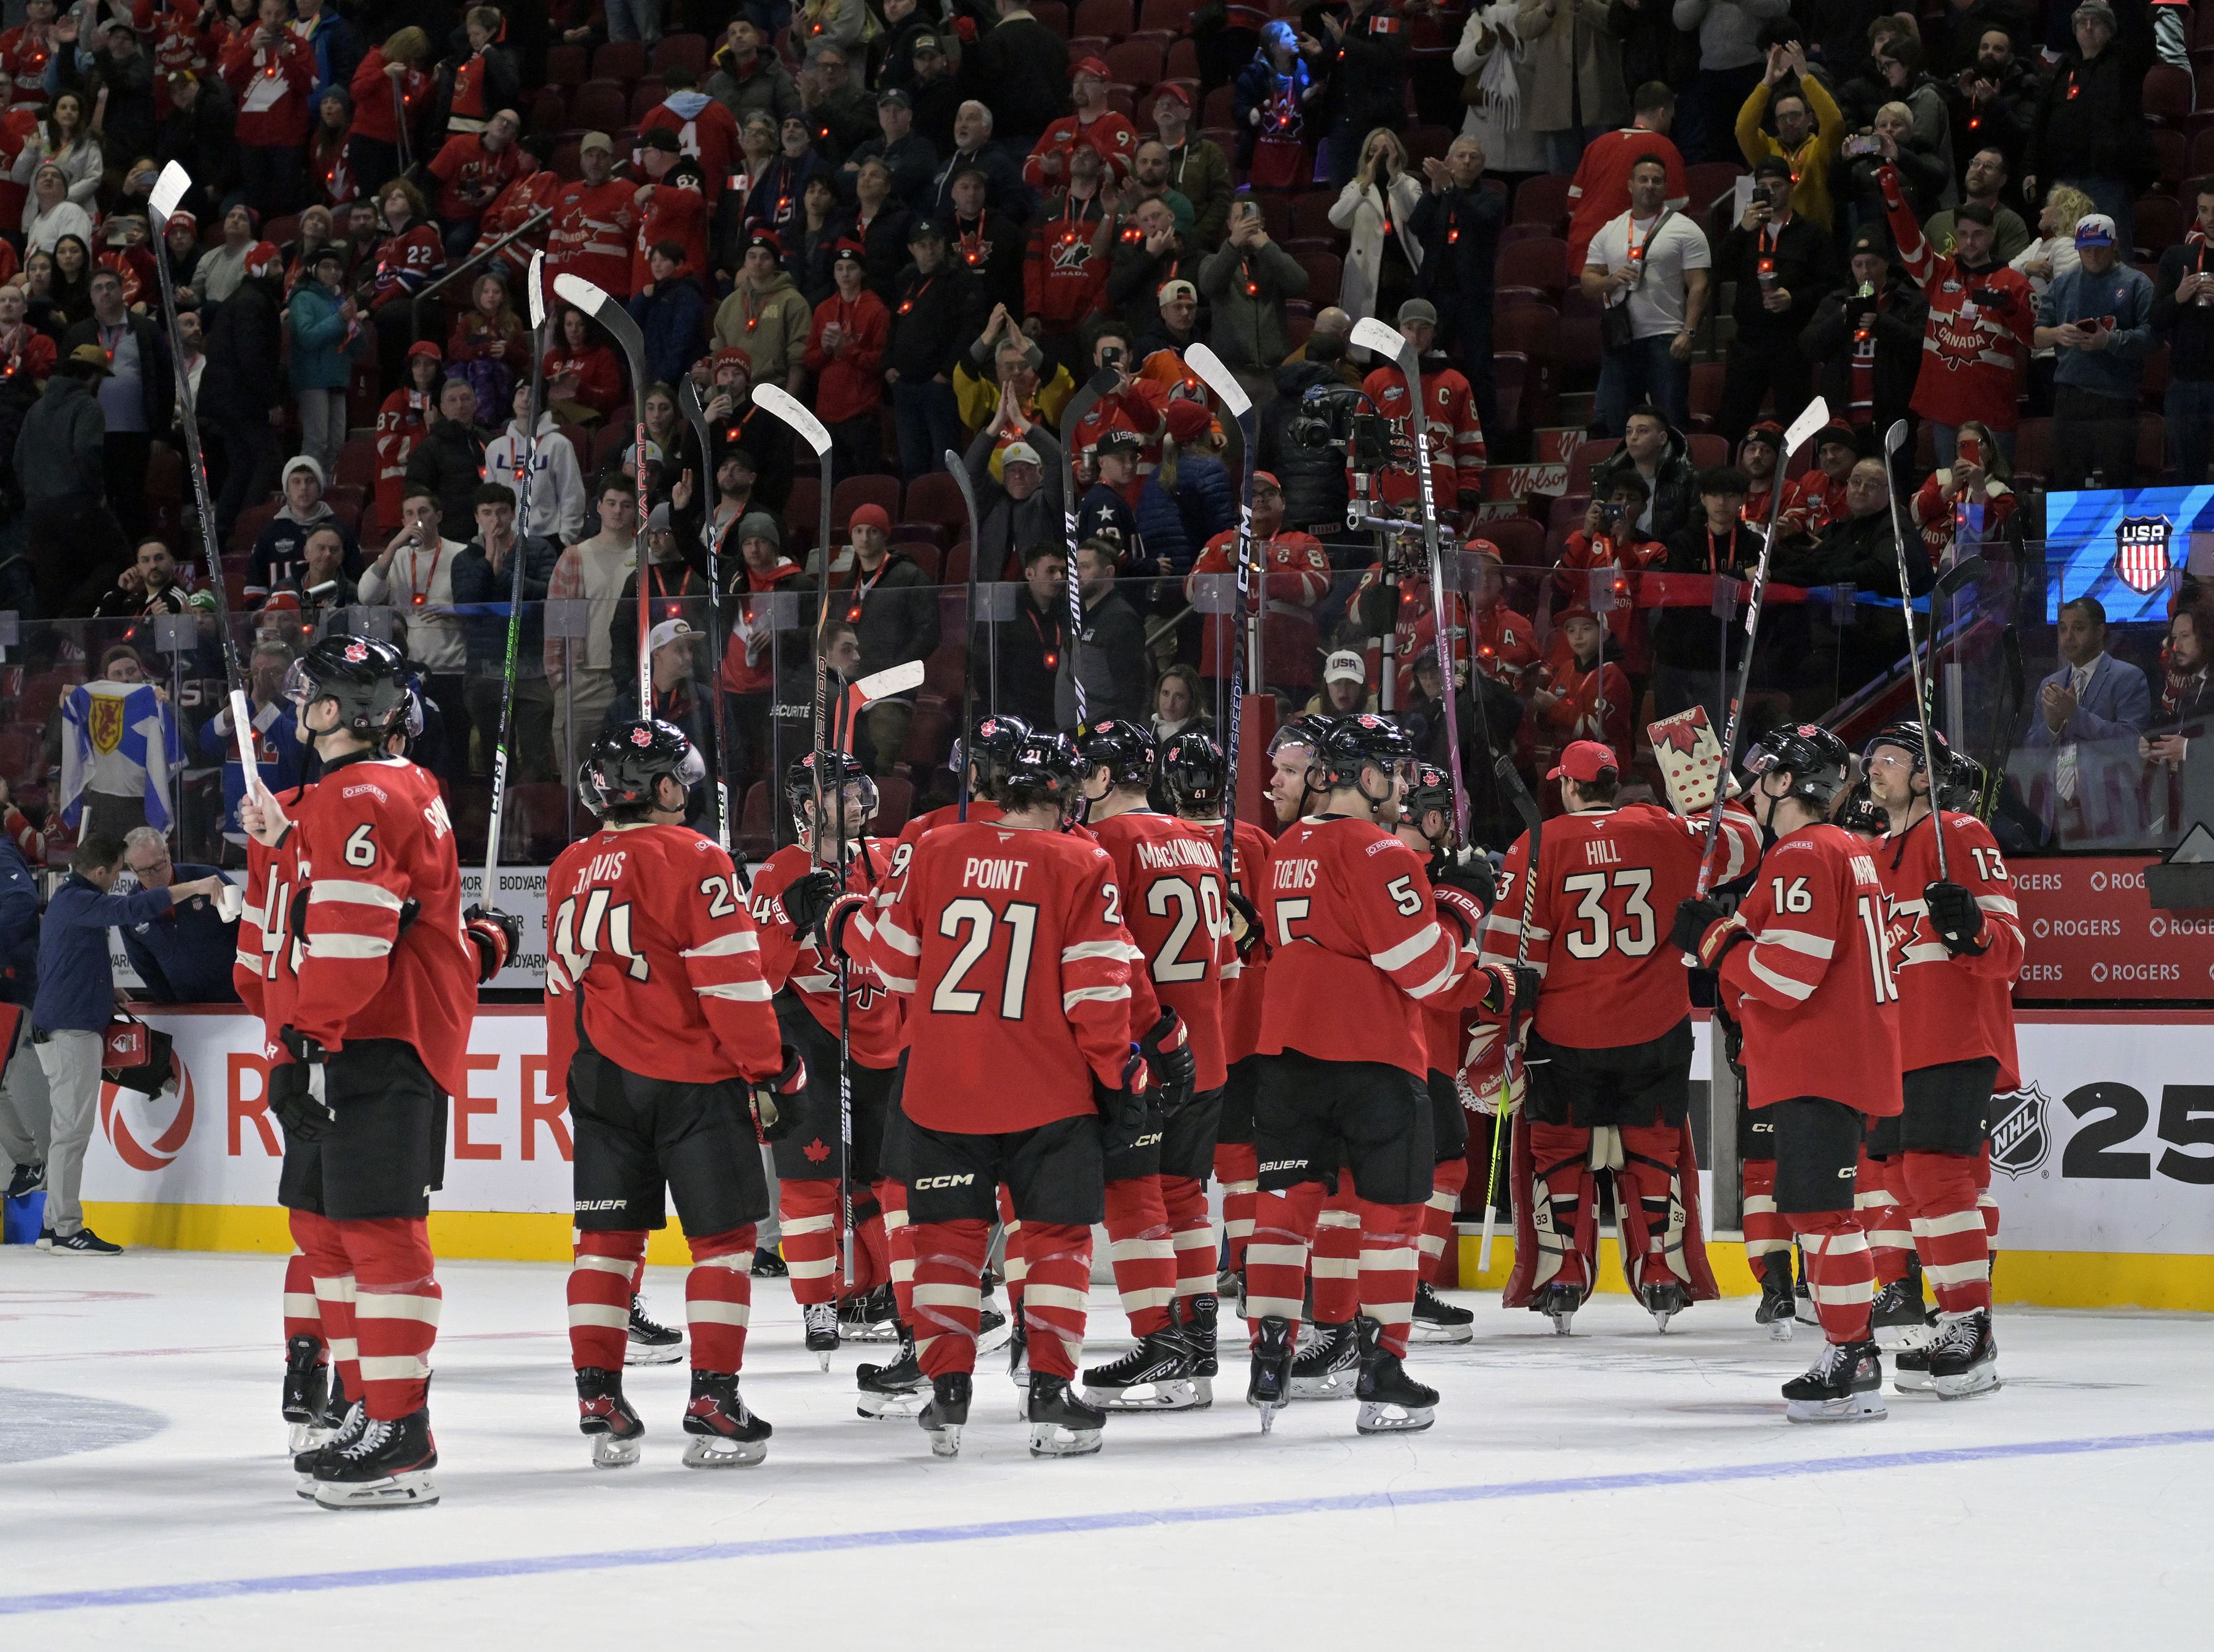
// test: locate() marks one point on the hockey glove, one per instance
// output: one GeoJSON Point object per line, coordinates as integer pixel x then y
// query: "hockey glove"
{"type": "Point", "coordinates": [1462, 913]}
{"type": "Point", "coordinates": [1733, 1042]}
{"type": "Point", "coordinates": [1957, 919]}
{"type": "Point", "coordinates": [1245, 925]}
{"type": "Point", "coordinates": [775, 1114]}
{"type": "Point", "coordinates": [1706, 929]}
{"type": "Point", "coordinates": [1123, 1109]}
{"type": "Point", "coordinates": [1470, 870]}
{"type": "Point", "coordinates": [1167, 1050]}
{"type": "Point", "coordinates": [497, 936]}
{"type": "Point", "coordinates": [807, 901]}
{"type": "Point", "coordinates": [299, 1090]}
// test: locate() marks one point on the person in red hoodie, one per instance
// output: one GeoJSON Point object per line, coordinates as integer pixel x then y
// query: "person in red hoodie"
{"type": "Point", "coordinates": [673, 207]}
{"type": "Point", "coordinates": [584, 381]}
{"type": "Point", "coordinates": [390, 76]}
{"type": "Point", "coordinates": [846, 353]}
{"type": "Point", "coordinates": [269, 71]}
{"type": "Point", "coordinates": [757, 648]}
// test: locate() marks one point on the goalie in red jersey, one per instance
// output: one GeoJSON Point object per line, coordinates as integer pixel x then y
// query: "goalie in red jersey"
{"type": "Point", "coordinates": [367, 994]}
{"type": "Point", "coordinates": [653, 980]}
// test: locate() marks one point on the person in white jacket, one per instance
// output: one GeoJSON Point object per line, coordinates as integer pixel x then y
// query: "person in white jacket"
{"type": "Point", "coordinates": [1379, 270]}
{"type": "Point", "coordinates": [414, 574]}
{"type": "Point", "coordinates": [557, 481]}
{"type": "Point", "coordinates": [1491, 46]}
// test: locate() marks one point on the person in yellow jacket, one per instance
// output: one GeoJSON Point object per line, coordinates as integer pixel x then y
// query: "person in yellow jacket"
{"type": "Point", "coordinates": [1810, 126]}
{"type": "Point", "coordinates": [1002, 356]}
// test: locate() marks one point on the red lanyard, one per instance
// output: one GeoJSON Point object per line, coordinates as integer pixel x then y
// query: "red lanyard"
{"type": "Point", "coordinates": [908, 303]}
{"type": "Point", "coordinates": [419, 592]}
{"type": "Point", "coordinates": [1712, 567]}
{"type": "Point", "coordinates": [110, 337]}
{"type": "Point", "coordinates": [1638, 252]}
{"type": "Point", "coordinates": [863, 587]}
{"type": "Point", "coordinates": [1052, 655]}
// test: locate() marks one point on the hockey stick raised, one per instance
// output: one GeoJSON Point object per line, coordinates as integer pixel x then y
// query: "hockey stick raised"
{"type": "Point", "coordinates": [1220, 380]}
{"type": "Point", "coordinates": [607, 310]}
{"type": "Point", "coordinates": [781, 406]}
{"type": "Point", "coordinates": [688, 403]}
{"type": "Point", "coordinates": [957, 467]}
{"type": "Point", "coordinates": [526, 465]}
{"type": "Point", "coordinates": [1503, 1121]}
{"type": "Point", "coordinates": [1894, 440]}
{"type": "Point", "coordinates": [1071, 416]}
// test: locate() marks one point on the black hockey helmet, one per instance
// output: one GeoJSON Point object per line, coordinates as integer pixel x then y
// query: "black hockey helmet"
{"type": "Point", "coordinates": [366, 677]}
{"type": "Point", "coordinates": [1965, 785]}
{"type": "Point", "coordinates": [1123, 747]}
{"type": "Point", "coordinates": [620, 772]}
{"type": "Point", "coordinates": [1858, 813]}
{"type": "Point", "coordinates": [800, 786]}
{"type": "Point", "coordinates": [1932, 751]}
{"type": "Point", "coordinates": [1043, 768]}
{"type": "Point", "coordinates": [990, 748]}
{"type": "Point", "coordinates": [1367, 739]}
{"type": "Point", "coordinates": [1815, 759]}
{"type": "Point", "coordinates": [1309, 729]}
{"type": "Point", "coordinates": [1432, 789]}
{"type": "Point", "coordinates": [1193, 772]}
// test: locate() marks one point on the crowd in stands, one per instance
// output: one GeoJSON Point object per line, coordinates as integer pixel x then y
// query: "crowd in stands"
{"type": "Point", "coordinates": [1628, 242]}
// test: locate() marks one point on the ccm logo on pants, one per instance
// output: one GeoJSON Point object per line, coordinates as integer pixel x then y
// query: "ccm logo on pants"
{"type": "Point", "coordinates": [962, 1180]}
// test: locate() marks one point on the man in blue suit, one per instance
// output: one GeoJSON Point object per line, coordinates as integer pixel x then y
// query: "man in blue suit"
{"type": "Point", "coordinates": [2087, 717]}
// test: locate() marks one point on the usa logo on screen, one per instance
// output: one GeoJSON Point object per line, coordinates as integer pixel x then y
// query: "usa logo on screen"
{"type": "Point", "coordinates": [2141, 552]}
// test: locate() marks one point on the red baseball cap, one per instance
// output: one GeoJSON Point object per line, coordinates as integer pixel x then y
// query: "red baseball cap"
{"type": "Point", "coordinates": [1580, 611]}
{"type": "Point", "coordinates": [1170, 88]}
{"type": "Point", "coordinates": [1091, 66]}
{"type": "Point", "coordinates": [427, 347]}
{"type": "Point", "coordinates": [1267, 479]}
{"type": "Point", "coordinates": [1583, 762]}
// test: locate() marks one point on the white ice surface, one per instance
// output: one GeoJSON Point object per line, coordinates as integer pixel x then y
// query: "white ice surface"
{"type": "Point", "coordinates": [140, 1450]}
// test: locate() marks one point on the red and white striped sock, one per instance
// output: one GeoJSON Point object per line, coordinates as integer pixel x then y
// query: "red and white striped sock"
{"type": "Point", "coordinates": [1138, 1247]}
{"type": "Point", "coordinates": [808, 1213]}
{"type": "Point", "coordinates": [1391, 1264]}
{"type": "Point", "coordinates": [1446, 1183]}
{"type": "Point", "coordinates": [949, 1269]}
{"type": "Point", "coordinates": [1238, 1167]}
{"type": "Point", "coordinates": [1840, 1272]}
{"type": "Point", "coordinates": [330, 1276]}
{"type": "Point", "coordinates": [872, 1263]}
{"type": "Point", "coordinates": [1986, 1201]}
{"type": "Point", "coordinates": [718, 1298]}
{"type": "Point", "coordinates": [1191, 1231]}
{"type": "Point", "coordinates": [899, 1245]}
{"type": "Point", "coordinates": [1766, 1232]}
{"type": "Point", "coordinates": [599, 1297]}
{"type": "Point", "coordinates": [1057, 1258]}
{"type": "Point", "coordinates": [396, 1305]}
{"type": "Point", "coordinates": [302, 1315]}
{"type": "Point", "coordinates": [1334, 1260]}
{"type": "Point", "coordinates": [1948, 1230]}
{"type": "Point", "coordinates": [1879, 1185]}
{"type": "Point", "coordinates": [1276, 1261]}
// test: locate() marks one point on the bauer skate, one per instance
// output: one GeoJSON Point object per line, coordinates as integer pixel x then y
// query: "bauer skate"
{"type": "Point", "coordinates": [1664, 1302]}
{"type": "Point", "coordinates": [724, 1434]}
{"type": "Point", "coordinates": [1844, 1384]}
{"type": "Point", "coordinates": [1154, 1376]}
{"type": "Point", "coordinates": [1897, 1316]}
{"type": "Point", "coordinates": [651, 1343]}
{"type": "Point", "coordinates": [1437, 1320]}
{"type": "Point", "coordinates": [1269, 1389]}
{"type": "Point", "coordinates": [605, 1418]}
{"type": "Point", "coordinates": [1062, 1424]}
{"type": "Point", "coordinates": [948, 1410]}
{"type": "Point", "coordinates": [306, 1389]}
{"type": "Point", "coordinates": [339, 1423]}
{"type": "Point", "coordinates": [1391, 1402]}
{"type": "Point", "coordinates": [1327, 1369]}
{"type": "Point", "coordinates": [899, 1389]}
{"type": "Point", "coordinates": [387, 1466]}
{"type": "Point", "coordinates": [992, 1330]}
{"type": "Point", "coordinates": [1558, 1303]}
{"type": "Point", "coordinates": [1777, 1309]}
{"type": "Point", "coordinates": [820, 1322]}
{"type": "Point", "coordinates": [869, 1316]}
{"type": "Point", "coordinates": [1964, 1360]}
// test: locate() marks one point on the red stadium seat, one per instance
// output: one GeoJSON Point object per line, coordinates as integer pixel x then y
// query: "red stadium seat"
{"type": "Point", "coordinates": [1534, 264]}
{"type": "Point", "coordinates": [1706, 182]}
{"type": "Point", "coordinates": [1184, 54]}
{"type": "Point", "coordinates": [357, 462]}
{"type": "Point", "coordinates": [1511, 233]}
{"type": "Point", "coordinates": [565, 65]}
{"type": "Point", "coordinates": [801, 508]}
{"type": "Point", "coordinates": [2159, 221]}
{"type": "Point", "coordinates": [1276, 216]}
{"type": "Point", "coordinates": [1533, 330]}
{"type": "Point", "coordinates": [2167, 92]}
{"type": "Point", "coordinates": [682, 50]}
{"type": "Point", "coordinates": [549, 110]}
{"type": "Point", "coordinates": [251, 521]}
{"type": "Point", "coordinates": [1543, 199]}
{"type": "Point", "coordinates": [936, 497]}
{"type": "Point", "coordinates": [2032, 448]}
{"type": "Point", "coordinates": [1310, 217]}
{"type": "Point", "coordinates": [1174, 16]}
{"type": "Point", "coordinates": [622, 60]}
{"type": "Point", "coordinates": [1054, 14]}
{"type": "Point", "coordinates": [1221, 109]}
{"type": "Point", "coordinates": [644, 97]}
{"type": "Point", "coordinates": [1325, 271]}
{"type": "Point", "coordinates": [1706, 394]}
{"type": "Point", "coordinates": [1521, 540]}
{"type": "Point", "coordinates": [1586, 456]}
{"type": "Point", "coordinates": [1110, 19]}
{"type": "Point", "coordinates": [1706, 450]}
{"type": "Point", "coordinates": [854, 492]}
{"type": "Point", "coordinates": [599, 105]}
{"type": "Point", "coordinates": [1134, 62]}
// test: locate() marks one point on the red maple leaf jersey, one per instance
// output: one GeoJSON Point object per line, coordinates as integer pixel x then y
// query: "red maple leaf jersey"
{"type": "Point", "coordinates": [373, 839]}
{"type": "Point", "coordinates": [402, 422]}
{"type": "Point", "coordinates": [1972, 348]}
{"type": "Point", "coordinates": [1952, 1009]}
{"type": "Point", "coordinates": [1814, 990]}
{"type": "Point", "coordinates": [471, 175]}
{"type": "Point", "coordinates": [1812, 505]}
{"type": "Point", "coordinates": [1609, 882]}
{"type": "Point", "coordinates": [1170, 874]}
{"type": "Point", "coordinates": [1360, 952]}
{"type": "Point", "coordinates": [1591, 704]}
{"type": "Point", "coordinates": [268, 959]}
{"type": "Point", "coordinates": [270, 85]}
{"type": "Point", "coordinates": [793, 964]}
{"type": "Point", "coordinates": [1010, 949]}
{"type": "Point", "coordinates": [1109, 133]}
{"type": "Point", "coordinates": [1062, 281]}
{"type": "Point", "coordinates": [1628, 556]}
{"type": "Point", "coordinates": [1456, 436]}
{"type": "Point", "coordinates": [649, 943]}
{"type": "Point", "coordinates": [591, 236]}
{"type": "Point", "coordinates": [1294, 570]}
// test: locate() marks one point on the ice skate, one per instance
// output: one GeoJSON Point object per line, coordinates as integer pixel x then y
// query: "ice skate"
{"type": "Point", "coordinates": [1909, 1369]}
{"type": "Point", "coordinates": [651, 1343]}
{"type": "Point", "coordinates": [1391, 1402]}
{"type": "Point", "coordinates": [1018, 1367]}
{"type": "Point", "coordinates": [1061, 1425]}
{"type": "Point", "coordinates": [1803, 1297]}
{"type": "Point", "coordinates": [339, 1423]}
{"type": "Point", "coordinates": [948, 1410]}
{"type": "Point", "coordinates": [1154, 1376]}
{"type": "Point", "coordinates": [1437, 1320]}
{"type": "Point", "coordinates": [1558, 1303]}
{"type": "Point", "coordinates": [724, 1434]}
{"type": "Point", "coordinates": [1777, 1310]}
{"type": "Point", "coordinates": [605, 1417]}
{"type": "Point", "coordinates": [992, 1330]}
{"type": "Point", "coordinates": [899, 1389]}
{"type": "Point", "coordinates": [1964, 1360]}
{"type": "Point", "coordinates": [306, 1389]}
{"type": "Point", "coordinates": [1664, 1302]}
{"type": "Point", "coordinates": [1269, 1389]}
{"type": "Point", "coordinates": [768, 1263]}
{"type": "Point", "coordinates": [820, 1321]}
{"type": "Point", "coordinates": [1844, 1384]}
{"type": "Point", "coordinates": [1326, 1370]}
{"type": "Point", "coordinates": [387, 1466]}
{"type": "Point", "coordinates": [869, 1316]}
{"type": "Point", "coordinates": [1197, 1315]}
{"type": "Point", "coordinates": [1898, 1316]}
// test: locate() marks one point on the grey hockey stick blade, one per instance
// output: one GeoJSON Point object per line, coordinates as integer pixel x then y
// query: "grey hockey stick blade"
{"type": "Point", "coordinates": [168, 189]}
{"type": "Point", "coordinates": [537, 292]}
{"type": "Point", "coordinates": [1380, 338]}
{"type": "Point", "coordinates": [1816, 414]}
{"type": "Point", "coordinates": [597, 302]}
{"type": "Point", "coordinates": [581, 293]}
{"type": "Point", "coordinates": [781, 405]}
{"type": "Point", "coordinates": [959, 472]}
{"type": "Point", "coordinates": [1964, 572]}
{"type": "Point", "coordinates": [1518, 794]}
{"type": "Point", "coordinates": [1894, 438]}
{"type": "Point", "coordinates": [688, 402]}
{"type": "Point", "coordinates": [892, 680]}
{"type": "Point", "coordinates": [1219, 379]}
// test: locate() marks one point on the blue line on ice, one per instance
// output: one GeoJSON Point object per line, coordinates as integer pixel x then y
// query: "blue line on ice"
{"type": "Point", "coordinates": [1055, 1525]}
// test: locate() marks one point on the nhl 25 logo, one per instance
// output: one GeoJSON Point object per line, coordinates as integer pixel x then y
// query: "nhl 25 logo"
{"type": "Point", "coordinates": [2020, 1141]}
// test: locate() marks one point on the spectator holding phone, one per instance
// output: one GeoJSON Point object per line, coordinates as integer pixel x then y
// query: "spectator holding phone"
{"type": "Point", "coordinates": [2099, 317]}
{"type": "Point", "coordinates": [2183, 311]}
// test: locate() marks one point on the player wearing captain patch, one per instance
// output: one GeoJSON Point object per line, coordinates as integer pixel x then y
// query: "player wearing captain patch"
{"type": "Point", "coordinates": [810, 1160]}
{"type": "Point", "coordinates": [1804, 971]}
{"type": "Point", "coordinates": [1610, 1049]}
{"type": "Point", "coordinates": [657, 1006]}
{"type": "Point", "coordinates": [1007, 939]}
{"type": "Point", "coordinates": [364, 900]}
{"type": "Point", "coordinates": [1956, 946]}
{"type": "Point", "coordinates": [1449, 419]}
{"type": "Point", "coordinates": [1360, 955]}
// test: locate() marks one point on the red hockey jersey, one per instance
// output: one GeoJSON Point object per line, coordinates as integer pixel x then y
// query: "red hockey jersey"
{"type": "Point", "coordinates": [1628, 556]}
{"type": "Point", "coordinates": [1590, 705]}
{"type": "Point", "coordinates": [1294, 572]}
{"type": "Point", "coordinates": [1456, 436]}
{"type": "Point", "coordinates": [471, 177]}
{"type": "Point", "coordinates": [401, 423]}
{"type": "Point", "coordinates": [1170, 874]}
{"type": "Point", "coordinates": [591, 232]}
{"type": "Point", "coordinates": [269, 86]}
{"type": "Point", "coordinates": [648, 931]}
{"type": "Point", "coordinates": [793, 963]}
{"type": "Point", "coordinates": [1062, 281]}
{"type": "Point", "coordinates": [709, 136]}
{"type": "Point", "coordinates": [1972, 350]}
{"type": "Point", "coordinates": [406, 264]}
{"type": "Point", "coordinates": [1109, 133]}
{"type": "Point", "coordinates": [1245, 980]}
{"type": "Point", "coordinates": [1814, 989]}
{"type": "Point", "coordinates": [267, 968]}
{"type": "Point", "coordinates": [1360, 952]}
{"type": "Point", "coordinates": [1812, 505]}
{"type": "Point", "coordinates": [1952, 1009]}
{"type": "Point", "coordinates": [1010, 949]}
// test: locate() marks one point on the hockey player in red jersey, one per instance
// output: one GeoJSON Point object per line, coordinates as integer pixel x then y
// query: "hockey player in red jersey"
{"type": "Point", "coordinates": [1449, 419]}
{"type": "Point", "coordinates": [1957, 947]}
{"type": "Point", "coordinates": [1609, 1054]}
{"type": "Point", "coordinates": [810, 1159]}
{"type": "Point", "coordinates": [653, 979]}
{"type": "Point", "coordinates": [1360, 954]}
{"type": "Point", "coordinates": [1162, 1240]}
{"type": "Point", "coordinates": [1005, 938]}
{"type": "Point", "coordinates": [1805, 971]}
{"type": "Point", "coordinates": [368, 995]}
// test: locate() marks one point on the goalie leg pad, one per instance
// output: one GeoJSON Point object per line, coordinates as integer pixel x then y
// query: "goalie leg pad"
{"type": "Point", "coordinates": [1563, 1199]}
